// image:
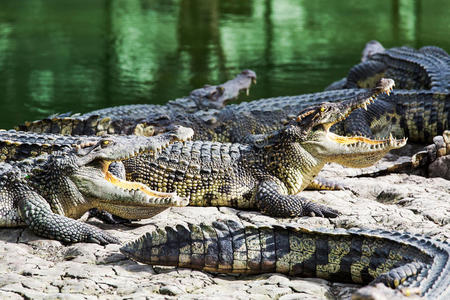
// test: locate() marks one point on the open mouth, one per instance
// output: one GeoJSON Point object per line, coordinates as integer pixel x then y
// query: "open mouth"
{"type": "Point", "coordinates": [357, 141]}
{"type": "Point", "coordinates": [130, 185]}
{"type": "Point", "coordinates": [116, 192]}
{"type": "Point", "coordinates": [385, 86]}
{"type": "Point", "coordinates": [136, 188]}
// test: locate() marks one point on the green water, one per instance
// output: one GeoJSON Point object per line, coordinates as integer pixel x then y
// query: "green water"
{"type": "Point", "coordinates": [61, 55]}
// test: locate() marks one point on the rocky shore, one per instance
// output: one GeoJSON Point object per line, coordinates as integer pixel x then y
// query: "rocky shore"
{"type": "Point", "coordinates": [35, 268]}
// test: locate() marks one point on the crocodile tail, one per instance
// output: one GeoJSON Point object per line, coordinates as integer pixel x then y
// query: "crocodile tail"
{"type": "Point", "coordinates": [434, 63]}
{"type": "Point", "coordinates": [220, 247]}
{"type": "Point", "coordinates": [427, 273]}
{"type": "Point", "coordinates": [397, 259]}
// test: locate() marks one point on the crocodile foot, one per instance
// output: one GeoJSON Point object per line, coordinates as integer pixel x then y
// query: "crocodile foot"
{"type": "Point", "coordinates": [95, 235]}
{"type": "Point", "coordinates": [106, 217]}
{"type": "Point", "coordinates": [317, 210]}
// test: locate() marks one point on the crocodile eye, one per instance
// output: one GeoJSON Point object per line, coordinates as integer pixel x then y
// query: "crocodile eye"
{"type": "Point", "coordinates": [105, 143]}
{"type": "Point", "coordinates": [322, 109]}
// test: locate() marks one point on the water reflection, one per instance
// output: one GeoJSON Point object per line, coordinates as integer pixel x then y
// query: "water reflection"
{"type": "Point", "coordinates": [60, 55]}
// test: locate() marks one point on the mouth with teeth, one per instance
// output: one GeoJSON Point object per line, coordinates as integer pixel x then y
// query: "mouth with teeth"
{"type": "Point", "coordinates": [121, 197]}
{"type": "Point", "coordinates": [126, 199]}
{"type": "Point", "coordinates": [352, 151]}
{"type": "Point", "coordinates": [178, 134]}
{"type": "Point", "coordinates": [218, 96]}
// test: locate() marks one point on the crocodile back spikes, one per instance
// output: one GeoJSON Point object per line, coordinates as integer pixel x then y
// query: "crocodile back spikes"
{"type": "Point", "coordinates": [425, 69]}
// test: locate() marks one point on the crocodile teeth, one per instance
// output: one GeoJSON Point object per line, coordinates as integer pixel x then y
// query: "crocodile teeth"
{"type": "Point", "coordinates": [247, 91]}
{"type": "Point", "coordinates": [364, 106]}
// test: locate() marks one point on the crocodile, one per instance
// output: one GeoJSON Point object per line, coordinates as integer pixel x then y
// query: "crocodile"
{"type": "Point", "coordinates": [423, 69]}
{"type": "Point", "coordinates": [410, 263]}
{"type": "Point", "coordinates": [47, 193]}
{"type": "Point", "coordinates": [126, 119]}
{"type": "Point", "coordinates": [18, 145]}
{"type": "Point", "coordinates": [417, 114]}
{"type": "Point", "coordinates": [269, 170]}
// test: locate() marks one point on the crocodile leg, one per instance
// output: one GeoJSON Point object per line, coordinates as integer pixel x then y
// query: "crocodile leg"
{"type": "Point", "coordinates": [107, 217]}
{"type": "Point", "coordinates": [397, 276]}
{"type": "Point", "coordinates": [273, 199]}
{"type": "Point", "coordinates": [36, 213]}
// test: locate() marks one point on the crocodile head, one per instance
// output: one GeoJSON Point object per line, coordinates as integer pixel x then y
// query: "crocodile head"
{"type": "Point", "coordinates": [106, 191]}
{"type": "Point", "coordinates": [371, 48]}
{"type": "Point", "coordinates": [351, 151]}
{"type": "Point", "coordinates": [117, 148]}
{"type": "Point", "coordinates": [216, 96]}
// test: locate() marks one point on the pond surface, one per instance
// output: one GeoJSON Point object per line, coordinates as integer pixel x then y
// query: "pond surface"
{"type": "Point", "coordinates": [63, 55]}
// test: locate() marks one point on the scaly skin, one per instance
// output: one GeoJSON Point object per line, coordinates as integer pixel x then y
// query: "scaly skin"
{"type": "Point", "coordinates": [403, 261]}
{"type": "Point", "coordinates": [270, 170]}
{"type": "Point", "coordinates": [417, 114]}
{"type": "Point", "coordinates": [18, 145]}
{"type": "Point", "coordinates": [45, 193]}
{"type": "Point", "coordinates": [235, 122]}
{"type": "Point", "coordinates": [427, 68]}
{"type": "Point", "coordinates": [130, 119]}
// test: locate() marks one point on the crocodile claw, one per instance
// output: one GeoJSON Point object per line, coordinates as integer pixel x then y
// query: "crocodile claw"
{"type": "Point", "coordinates": [107, 217]}
{"type": "Point", "coordinates": [101, 237]}
{"type": "Point", "coordinates": [318, 210]}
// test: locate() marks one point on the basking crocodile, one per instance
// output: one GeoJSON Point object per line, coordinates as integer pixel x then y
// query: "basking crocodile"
{"type": "Point", "coordinates": [127, 119]}
{"type": "Point", "coordinates": [268, 171]}
{"type": "Point", "coordinates": [410, 263]}
{"type": "Point", "coordinates": [18, 145]}
{"type": "Point", "coordinates": [45, 193]}
{"type": "Point", "coordinates": [417, 114]}
{"type": "Point", "coordinates": [427, 68]}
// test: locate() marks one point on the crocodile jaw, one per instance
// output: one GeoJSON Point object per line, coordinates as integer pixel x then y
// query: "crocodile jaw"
{"type": "Point", "coordinates": [123, 198]}
{"type": "Point", "coordinates": [125, 147]}
{"type": "Point", "coordinates": [356, 151]}
{"type": "Point", "coordinates": [353, 151]}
